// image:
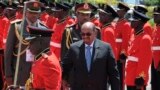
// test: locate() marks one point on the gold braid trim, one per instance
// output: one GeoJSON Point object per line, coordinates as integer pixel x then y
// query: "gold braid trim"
{"type": "Point", "coordinates": [24, 42]}
{"type": "Point", "coordinates": [29, 83]}
{"type": "Point", "coordinates": [19, 37]}
{"type": "Point", "coordinates": [22, 52]}
{"type": "Point", "coordinates": [68, 38]}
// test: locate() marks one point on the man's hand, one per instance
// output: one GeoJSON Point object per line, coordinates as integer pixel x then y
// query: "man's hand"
{"type": "Point", "coordinates": [139, 82]}
{"type": "Point", "coordinates": [65, 85]}
{"type": "Point", "coordinates": [158, 68]}
{"type": "Point", "coordinates": [9, 81]}
{"type": "Point", "coordinates": [122, 58]}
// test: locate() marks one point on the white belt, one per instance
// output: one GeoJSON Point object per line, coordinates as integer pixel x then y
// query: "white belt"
{"type": "Point", "coordinates": [155, 48]}
{"type": "Point", "coordinates": [132, 58]}
{"type": "Point", "coordinates": [58, 45]}
{"type": "Point", "coordinates": [118, 40]}
{"type": "Point", "coordinates": [4, 40]}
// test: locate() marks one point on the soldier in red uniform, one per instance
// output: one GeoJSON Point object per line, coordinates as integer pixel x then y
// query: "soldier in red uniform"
{"type": "Point", "coordinates": [60, 12]}
{"type": "Point", "coordinates": [94, 18]}
{"type": "Point", "coordinates": [123, 33]}
{"type": "Point", "coordinates": [3, 21]}
{"type": "Point", "coordinates": [46, 70]}
{"type": "Point", "coordinates": [108, 31]}
{"type": "Point", "coordinates": [11, 15]}
{"type": "Point", "coordinates": [44, 15]}
{"type": "Point", "coordinates": [155, 76]}
{"type": "Point", "coordinates": [20, 6]}
{"type": "Point", "coordinates": [140, 54]}
{"type": "Point", "coordinates": [147, 27]}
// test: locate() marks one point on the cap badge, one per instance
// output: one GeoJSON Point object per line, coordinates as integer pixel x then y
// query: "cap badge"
{"type": "Point", "coordinates": [85, 6]}
{"type": "Point", "coordinates": [35, 5]}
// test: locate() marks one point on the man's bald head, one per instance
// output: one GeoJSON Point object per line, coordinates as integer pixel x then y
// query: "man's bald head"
{"type": "Point", "coordinates": [88, 32]}
{"type": "Point", "coordinates": [88, 25]}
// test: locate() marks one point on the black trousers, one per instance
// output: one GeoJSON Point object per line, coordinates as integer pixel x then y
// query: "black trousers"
{"type": "Point", "coordinates": [155, 78]}
{"type": "Point", "coordinates": [121, 74]}
{"type": "Point", "coordinates": [134, 88]}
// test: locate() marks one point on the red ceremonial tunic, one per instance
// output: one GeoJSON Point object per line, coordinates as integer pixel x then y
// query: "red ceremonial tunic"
{"type": "Point", "coordinates": [46, 72]}
{"type": "Point", "coordinates": [108, 35]}
{"type": "Point", "coordinates": [156, 46]}
{"type": "Point", "coordinates": [139, 59]}
{"type": "Point", "coordinates": [44, 17]}
{"type": "Point", "coordinates": [148, 29]}
{"type": "Point", "coordinates": [57, 37]}
{"type": "Point", "coordinates": [123, 35]}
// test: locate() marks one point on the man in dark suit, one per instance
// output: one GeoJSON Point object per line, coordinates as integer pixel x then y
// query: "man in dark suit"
{"type": "Point", "coordinates": [89, 63]}
{"type": "Point", "coordinates": [12, 45]}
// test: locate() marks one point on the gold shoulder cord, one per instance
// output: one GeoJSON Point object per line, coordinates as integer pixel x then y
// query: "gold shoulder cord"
{"type": "Point", "coordinates": [29, 83]}
{"type": "Point", "coordinates": [24, 42]}
{"type": "Point", "coordinates": [68, 38]}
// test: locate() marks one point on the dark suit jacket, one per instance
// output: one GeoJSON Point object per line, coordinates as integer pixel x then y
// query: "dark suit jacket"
{"type": "Point", "coordinates": [103, 67]}
{"type": "Point", "coordinates": [12, 46]}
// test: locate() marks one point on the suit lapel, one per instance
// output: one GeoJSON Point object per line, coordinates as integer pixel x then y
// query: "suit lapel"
{"type": "Point", "coordinates": [95, 50]}
{"type": "Point", "coordinates": [82, 55]}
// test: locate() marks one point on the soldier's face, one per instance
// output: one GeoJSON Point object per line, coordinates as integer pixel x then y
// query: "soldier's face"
{"type": "Point", "coordinates": [83, 17]}
{"type": "Point", "coordinates": [32, 16]}
{"type": "Point", "coordinates": [121, 13]}
{"type": "Point", "coordinates": [104, 18]}
{"type": "Point", "coordinates": [156, 18]}
{"type": "Point", "coordinates": [1, 11]}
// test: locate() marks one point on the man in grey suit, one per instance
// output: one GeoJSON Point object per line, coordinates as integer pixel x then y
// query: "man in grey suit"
{"type": "Point", "coordinates": [90, 68]}
{"type": "Point", "coordinates": [11, 52]}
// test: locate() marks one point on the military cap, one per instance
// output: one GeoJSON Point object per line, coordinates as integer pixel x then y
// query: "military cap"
{"type": "Point", "coordinates": [67, 4]}
{"type": "Point", "coordinates": [101, 5]}
{"type": "Point", "coordinates": [93, 7]}
{"type": "Point", "coordinates": [59, 7]}
{"type": "Point", "coordinates": [141, 9]}
{"type": "Point", "coordinates": [122, 5]}
{"type": "Point", "coordinates": [156, 10]}
{"type": "Point", "coordinates": [138, 16]}
{"type": "Point", "coordinates": [21, 3]}
{"type": "Point", "coordinates": [36, 32]}
{"type": "Point", "coordinates": [109, 10]}
{"type": "Point", "coordinates": [34, 6]}
{"type": "Point", "coordinates": [12, 5]}
{"type": "Point", "coordinates": [83, 8]}
{"type": "Point", "coordinates": [2, 5]}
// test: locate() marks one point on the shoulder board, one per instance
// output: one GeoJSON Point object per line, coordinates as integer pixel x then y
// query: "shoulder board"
{"type": "Point", "coordinates": [72, 25]}
{"type": "Point", "coordinates": [41, 23]}
{"type": "Point", "coordinates": [16, 21]}
{"type": "Point", "coordinates": [98, 28]}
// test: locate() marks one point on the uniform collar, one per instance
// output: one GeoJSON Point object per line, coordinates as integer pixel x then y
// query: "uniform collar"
{"type": "Point", "coordinates": [41, 53]}
{"type": "Point", "coordinates": [105, 25]}
{"type": "Point", "coordinates": [139, 32]}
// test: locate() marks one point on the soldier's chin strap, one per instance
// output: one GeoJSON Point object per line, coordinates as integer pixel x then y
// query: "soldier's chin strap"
{"type": "Point", "coordinates": [19, 47]}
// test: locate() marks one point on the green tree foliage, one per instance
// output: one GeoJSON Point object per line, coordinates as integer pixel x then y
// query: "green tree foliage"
{"type": "Point", "coordinates": [151, 2]}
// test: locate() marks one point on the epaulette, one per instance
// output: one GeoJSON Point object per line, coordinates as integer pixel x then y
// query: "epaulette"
{"type": "Point", "coordinates": [98, 28]}
{"type": "Point", "coordinates": [16, 21]}
{"type": "Point", "coordinates": [41, 23]}
{"type": "Point", "coordinates": [72, 25]}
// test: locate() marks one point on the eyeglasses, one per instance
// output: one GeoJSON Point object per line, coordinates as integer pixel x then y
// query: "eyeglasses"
{"type": "Point", "coordinates": [86, 34]}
